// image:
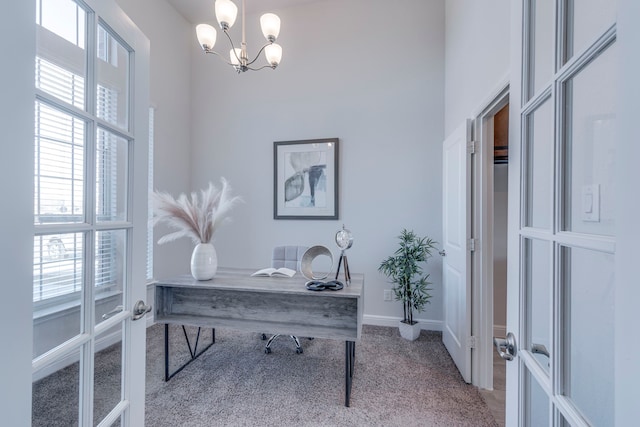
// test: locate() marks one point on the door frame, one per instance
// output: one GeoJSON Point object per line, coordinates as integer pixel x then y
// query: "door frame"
{"type": "Point", "coordinates": [482, 229]}
{"type": "Point", "coordinates": [18, 42]}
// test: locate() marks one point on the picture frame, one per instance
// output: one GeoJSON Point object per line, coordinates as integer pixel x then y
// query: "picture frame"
{"type": "Point", "coordinates": [305, 179]}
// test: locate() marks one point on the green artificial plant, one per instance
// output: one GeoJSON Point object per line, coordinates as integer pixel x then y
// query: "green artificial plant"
{"type": "Point", "coordinates": [405, 271]}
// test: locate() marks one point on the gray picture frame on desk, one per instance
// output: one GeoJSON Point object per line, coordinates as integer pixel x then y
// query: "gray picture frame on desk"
{"type": "Point", "coordinates": [306, 179]}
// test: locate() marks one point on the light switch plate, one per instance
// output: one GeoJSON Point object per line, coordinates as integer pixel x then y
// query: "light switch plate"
{"type": "Point", "coordinates": [591, 203]}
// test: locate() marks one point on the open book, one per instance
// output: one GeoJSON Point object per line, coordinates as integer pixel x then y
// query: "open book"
{"type": "Point", "coordinates": [282, 271]}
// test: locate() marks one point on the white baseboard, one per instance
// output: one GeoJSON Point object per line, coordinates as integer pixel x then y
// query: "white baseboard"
{"type": "Point", "coordinates": [425, 324]}
{"type": "Point", "coordinates": [499, 330]}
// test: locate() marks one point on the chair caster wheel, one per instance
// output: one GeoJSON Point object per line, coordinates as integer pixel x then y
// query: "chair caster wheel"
{"type": "Point", "coordinates": [267, 350]}
{"type": "Point", "coordinates": [299, 350]}
{"type": "Point", "coordinates": [264, 337]}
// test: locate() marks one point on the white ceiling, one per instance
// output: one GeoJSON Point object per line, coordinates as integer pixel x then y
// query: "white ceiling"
{"type": "Point", "coordinates": [196, 11]}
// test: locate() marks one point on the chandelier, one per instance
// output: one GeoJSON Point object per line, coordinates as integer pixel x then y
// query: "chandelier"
{"type": "Point", "coordinates": [226, 13]}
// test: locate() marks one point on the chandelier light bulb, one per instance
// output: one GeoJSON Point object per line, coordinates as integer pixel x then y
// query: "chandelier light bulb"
{"type": "Point", "coordinates": [273, 52]}
{"type": "Point", "coordinates": [226, 13]}
{"type": "Point", "coordinates": [235, 55]}
{"type": "Point", "coordinates": [206, 36]}
{"type": "Point", "coordinates": [270, 24]}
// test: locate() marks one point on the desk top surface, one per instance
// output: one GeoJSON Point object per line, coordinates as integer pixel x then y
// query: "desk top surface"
{"type": "Point", "coordinates": [241, 279]}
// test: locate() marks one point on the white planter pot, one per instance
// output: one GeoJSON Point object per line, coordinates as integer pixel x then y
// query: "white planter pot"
{"type": "Point", "coordinates": [204, 261]}
{"type": "Point", "coordinates": [409, 332]}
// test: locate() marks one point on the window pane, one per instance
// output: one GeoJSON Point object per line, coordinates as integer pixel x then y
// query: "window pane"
{"type": "Point", "coordinates": [149, 204]}
{"type": "Point", "coordinates": [538, 300]}
{"type": "Point", "coordinates": [59, 166]}
{"type": "Point", "coordinates": [536, 401]}
{"type": "Point", "coordinates": [589, 147]}
{"type": "Point", "coordinates": [586, 21]}
{"type": "Point", "coordinates": [588, 338]}
{"type": "Point", "coordinates": [112, 165]}
{"type": "Point", "coordinates": [57, 266]}
{"type": "Point", "coordinates": [113, 80]}
{"type": "Point", "coordinates": [107, 386]}
{"type": "Point", "coordinates": [64, 385]}
{"type": "Point", "coordinates": [538, 166]}
{"type": "Point", "coordinates": [110, 270]}
{"type": "Point", "coordinates": [57, 284]}
{"type": "Point", "coordinates": [60, 60]}
{"type": "Point", "coordinates": [541, 51]}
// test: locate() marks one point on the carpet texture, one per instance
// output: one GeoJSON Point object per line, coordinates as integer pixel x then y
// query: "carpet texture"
{"type": "Point", "coordinates": [234, 383]}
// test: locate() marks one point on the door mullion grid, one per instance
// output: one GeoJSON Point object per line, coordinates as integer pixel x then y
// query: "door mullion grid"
{"type": "Point", "coordinates": [563, 239]}
{"type": "Point", "coordinates": [88, 308]}
{"type": "Point", "coordinates": [531, 103]}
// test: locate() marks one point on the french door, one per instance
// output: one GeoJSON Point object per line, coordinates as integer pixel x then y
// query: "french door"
{"type": "Point", "coordinates": [562, 213]}
{"type": "Point", "coordinates": [90, 212]}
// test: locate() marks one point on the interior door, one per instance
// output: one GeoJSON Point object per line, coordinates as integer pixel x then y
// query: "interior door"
{"type": "Point", "coordinates": [456, 217]}
{"type": "Point", "coordinates": [90, 214]}
{"type": "Point", "coordinates": [561, 214]}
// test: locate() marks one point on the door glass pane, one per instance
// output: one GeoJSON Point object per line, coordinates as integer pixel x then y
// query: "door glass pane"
{"type": "Point", "coordinates": [60, 54]}
{"type": "Point", "coordinates": [59, 166]}
{"type": "Point", "coordinates": [536, 403]}
{"type": "Point", "coordinates": [110, 271]}
{"type": "Point", "coordinates": [541, 51]}
{"type": "Point", "coordinates": [107, 387]}
{"type": "Point", "coordinates": [586, 21]}
{"type": "Point", "coordinates": [589, 147]}
{"type": "Point", "coordinates": [588, 322]}
{"type": "Point", "coordinates": [538, 300]}
{"type": "Point", "coordinates": [113, 80]}
{"type": "Point", "coordinates": [112, 164]}
{"type": "Point", "coordinates": [57, 285]}
{"type": "Point", "coordinates": [538, 166]}
{"type": "Point", "coordinates": [55, 398]}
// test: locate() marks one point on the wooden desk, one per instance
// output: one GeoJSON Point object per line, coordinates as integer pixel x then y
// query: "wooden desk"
{"type": "Point", "coordinates": [276, 305]}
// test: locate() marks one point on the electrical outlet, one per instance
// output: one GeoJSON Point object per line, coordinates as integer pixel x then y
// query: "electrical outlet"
{"type": "Point", "coordinates": [387, 294]}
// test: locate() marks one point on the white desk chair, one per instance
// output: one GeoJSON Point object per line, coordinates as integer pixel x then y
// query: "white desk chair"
{"type": "Point", "coordinates": [289, 257]}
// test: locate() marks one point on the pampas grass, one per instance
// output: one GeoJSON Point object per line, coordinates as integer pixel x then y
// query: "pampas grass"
{"type": "Point", "coordinates": [196, 217]}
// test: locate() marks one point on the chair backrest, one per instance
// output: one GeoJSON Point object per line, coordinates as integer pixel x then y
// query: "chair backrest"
{"type": "Point", "coordinates": [287, 256]}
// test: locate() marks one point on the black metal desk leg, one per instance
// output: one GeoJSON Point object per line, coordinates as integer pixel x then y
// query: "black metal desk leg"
{"type": "Point", "coordinates": [349, 362]}
{"type": "Point", "coordinates": [193, 351]}
{"type": "Point", "coordinates": [166, 352]}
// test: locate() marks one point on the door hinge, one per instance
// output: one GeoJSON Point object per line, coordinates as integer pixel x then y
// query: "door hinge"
{"type": "Point", "coordinates": [471, 342]}
{"type": "Point", "coordinates": [472, 146]}
{"type": "Point", "coordinates": [471, 245]}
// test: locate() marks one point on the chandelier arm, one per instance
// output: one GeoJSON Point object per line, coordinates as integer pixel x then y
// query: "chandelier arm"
{"type": "Point", "coordinates": [219, 56]}
{"type": "Point", "coordinates": [264, 66]}
{"type": "Point", "coordinates": [233, 48]}
{"type": "Point", "coordinates": [258, 54]}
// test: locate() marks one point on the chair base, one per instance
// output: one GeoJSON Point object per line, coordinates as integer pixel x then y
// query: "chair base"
{"type": "Point", "coordinates": [267, 348]}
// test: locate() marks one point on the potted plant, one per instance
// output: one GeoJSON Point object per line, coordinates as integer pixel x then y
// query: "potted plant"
{"type": "Point", "coordinates": [410, 286]}
{"type": "Point", "coordinates": [197, 217]}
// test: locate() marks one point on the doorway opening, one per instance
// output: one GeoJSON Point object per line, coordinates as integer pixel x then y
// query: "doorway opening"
{"type": "Point", "coordinates": [489, 263]}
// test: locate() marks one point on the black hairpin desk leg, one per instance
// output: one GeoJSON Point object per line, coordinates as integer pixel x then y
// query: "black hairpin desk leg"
{"type": "Point", "coordinates": [193, 352]}
{"type": "Point", "coordinates": [349, 361]}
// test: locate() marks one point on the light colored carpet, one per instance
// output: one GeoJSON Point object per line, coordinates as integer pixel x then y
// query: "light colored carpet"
{"type": "Point", "coordinates": [234, 383]}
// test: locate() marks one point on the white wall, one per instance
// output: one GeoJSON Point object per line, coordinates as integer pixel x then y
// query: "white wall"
{"type": "Point", "coordinates": [476, 57]}
{"type": "Point", "coordinates": [355, 70]}
{"type": "Point", "coordinates": [170, 93]}
{"type": "Point", "coordinates": [16, 224]}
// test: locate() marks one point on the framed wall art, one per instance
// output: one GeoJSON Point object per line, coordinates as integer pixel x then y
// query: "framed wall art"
{"type": "Point", "coordinates": [305, 180]}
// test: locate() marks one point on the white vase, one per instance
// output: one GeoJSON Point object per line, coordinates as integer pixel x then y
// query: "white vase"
{"type": "Point", "coordinates": [204, 261]}
{"type": "Point", "coordinates": [409, 332]}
